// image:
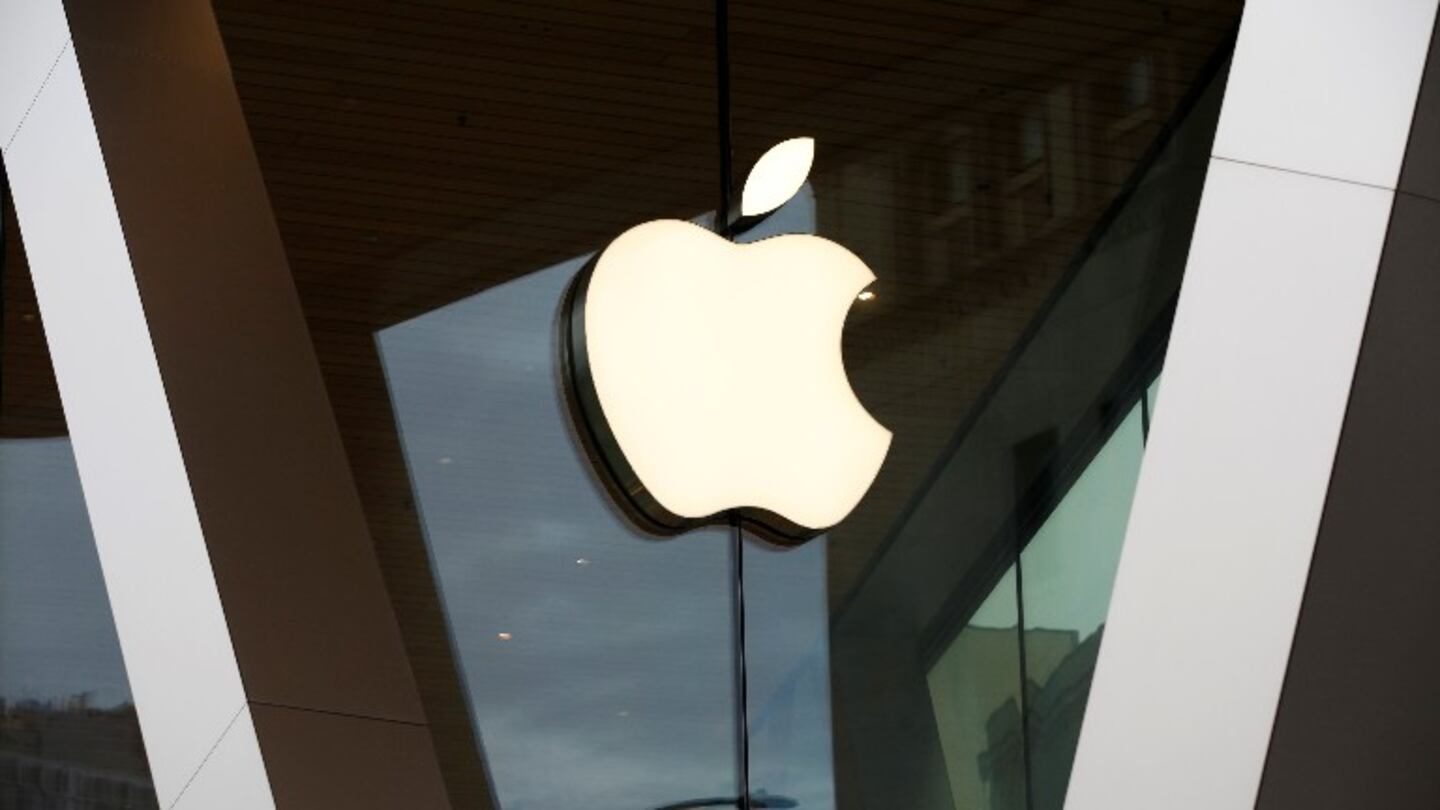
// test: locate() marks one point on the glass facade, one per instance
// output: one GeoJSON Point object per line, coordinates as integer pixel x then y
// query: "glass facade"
{"type": "Point", "coordinates": [69, 737]}
{"type": "Point", "coordinates": [1021, 178]}
{"type": "Point", "coordinates": [1023, 183]}
{"type": "Point", "coordinates": [1030, 685]}
{"type": "Point", "coordinates": [1029, 230]}
{"type": "Point", "coordinates": [585, 646]}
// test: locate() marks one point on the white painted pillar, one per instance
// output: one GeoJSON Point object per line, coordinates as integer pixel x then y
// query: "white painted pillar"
{"type": "Point", "coordinates": [260, 644]}
{"type": "Point", "coordinates": [1291, 225]}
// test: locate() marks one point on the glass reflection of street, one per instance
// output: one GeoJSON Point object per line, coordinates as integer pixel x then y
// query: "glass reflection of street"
{"type": "Point", "coordinates": [68, 732]}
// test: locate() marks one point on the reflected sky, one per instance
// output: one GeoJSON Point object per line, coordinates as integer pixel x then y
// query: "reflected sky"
{"type": "Point", "coordinates": [614, 686]}
{"type": "Point", "coordinates": [57, 638]}
{"type": "Point", "coordinates": [1070, 563]}
{"type": "Point", "coordinates": [598, 660]}
{"type": "Point", "coordinates": [1069, 567]}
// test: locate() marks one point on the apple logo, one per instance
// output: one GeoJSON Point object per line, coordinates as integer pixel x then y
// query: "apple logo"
{"type": "Point", "coordinates": [706, 377]}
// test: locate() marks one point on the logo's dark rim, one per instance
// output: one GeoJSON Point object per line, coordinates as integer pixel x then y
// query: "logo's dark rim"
{"type": "Point", "coordinates": [620, 479]}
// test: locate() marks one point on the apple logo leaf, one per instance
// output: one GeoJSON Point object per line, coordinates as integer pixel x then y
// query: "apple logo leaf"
{"type": "Point", "coordinates": [777, 175]}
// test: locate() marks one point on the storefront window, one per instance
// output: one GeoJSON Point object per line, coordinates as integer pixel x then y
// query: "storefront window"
{"type": "Point", "coordinates": [1021, 179]}
{"type": "Point", "coordinates": [1068, 570]}
{"type": "Point", "coordinates": [1011, 333]}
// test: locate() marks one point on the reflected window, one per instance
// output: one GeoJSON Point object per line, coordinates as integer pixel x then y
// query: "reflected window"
{"type": "Point", "coordinates": [975, 690]}
{"type": "Point", "coordinates": [1069, 569]}
{"type": "Point", "coordinates": [1026, 743]}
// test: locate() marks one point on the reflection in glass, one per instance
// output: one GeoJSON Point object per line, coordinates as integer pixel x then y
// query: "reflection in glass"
{"type": "Point", "coordinates": [68, 732]}
{"type": "Point", "coordinates": [975, 690]}
{"type": "Point", "coordinates": [1024, 183]}
{"type": "Point", "coordinates": [597, 660]}
{"type": "Point", "coordinates": [423, 155]}
{"type": "Point", "coordinates": [1069, 571]}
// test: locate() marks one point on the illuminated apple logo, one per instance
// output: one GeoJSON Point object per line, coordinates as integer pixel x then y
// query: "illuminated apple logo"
{"type": "Point", "coordinates": [706, 376]}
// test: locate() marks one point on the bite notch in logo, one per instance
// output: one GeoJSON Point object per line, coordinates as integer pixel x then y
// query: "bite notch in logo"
{"type": "Point", "coordinates": [706, 377]}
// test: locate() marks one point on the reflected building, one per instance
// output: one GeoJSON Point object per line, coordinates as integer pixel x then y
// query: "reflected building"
{"type": "Point", "coordinates": [1040, 756]}
{"type": "Point", "coordinates": [68, 756]}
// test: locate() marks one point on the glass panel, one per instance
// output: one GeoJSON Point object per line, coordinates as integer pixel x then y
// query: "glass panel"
{"type": "Point", "coordinates": [1069, 571]}
{"type": "Point", "coordinates": [1023, 181]}
{"type": "Point", "coordinates": [787, 654]}
{"type": "Point", "coordinates": [1021, 177]}
{"type": "Point", "coordinates": [975, 691]}
{"type": "Point", "coordinates": [69, 737]}
{"type": "Point", "coordinates": [597, 660]}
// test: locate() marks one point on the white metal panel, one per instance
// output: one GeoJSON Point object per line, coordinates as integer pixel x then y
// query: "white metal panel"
{"type": "Point", "coordinates": [32, 34]}
{"type": "Point", "coordinates": [1231, 490]}
{"type": "Point", "coordinates": [1326, 86]}
{"type": "Point", "coordinates": [162, 590]}
{"type": "Point", "coordinates": [233, 776]}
